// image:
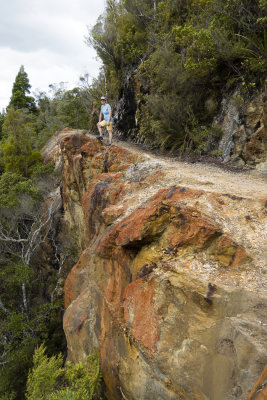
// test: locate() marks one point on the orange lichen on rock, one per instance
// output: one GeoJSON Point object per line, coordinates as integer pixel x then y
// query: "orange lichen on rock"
{"type": "Point", "coordinates": [75, 143]}
{"type": "Point", "coordinates": [117, 276]}
{"type": "Point", "coordinates": [140, 312]}
{"type": "Point", "coordinates": [72, 286]}
{"type": "Point", "coordinates": [230, 254]}
{"type": "Point", "coordinates": [154, 177]}
{"type": "Point", "coordinates": [259, 391]}
{"type": "Point", "coordinates": [189, 227]}
{"type": "Point", "coordinates": [119, 157]}
{"type": "Point", "coordinates": [91, 148]}
{"type": "Point", "coordinates": [103, 191]}
{"type": "Point", "coordinates": [146, 222]}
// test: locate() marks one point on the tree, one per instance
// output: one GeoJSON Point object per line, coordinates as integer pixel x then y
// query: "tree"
{"type": "Point", "coordinates": [48, 380]}
{"type": "Point", "coordinates": [27, 317]}
{"type": "Point", "coordinates": [61, 108]}
{"type": "Point", "coordinates": [21, 89]}
{"type": "Point", "coordinates": [19, 143]}
{"type": "Point", "coordinates": [74, 110]}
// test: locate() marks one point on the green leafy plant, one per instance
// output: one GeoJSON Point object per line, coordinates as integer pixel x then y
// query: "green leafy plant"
{"type": "Point", "coordinates": [43, 377]}
{"type": "Point", "coordinates": [182, 53]}
{"type": "Point", "coordinates": [49, 380]}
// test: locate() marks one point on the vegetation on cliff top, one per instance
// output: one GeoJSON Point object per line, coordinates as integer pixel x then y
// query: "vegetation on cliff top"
{"type": "Point", "coordinates": [185, 55]}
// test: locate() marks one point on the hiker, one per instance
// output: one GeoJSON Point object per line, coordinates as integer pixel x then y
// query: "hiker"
{"type": "Point", "coordinates": [108, 120]}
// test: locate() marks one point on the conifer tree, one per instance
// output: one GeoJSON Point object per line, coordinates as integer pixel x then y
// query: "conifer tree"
{"type": "Point", "coordinates": [21, 89]}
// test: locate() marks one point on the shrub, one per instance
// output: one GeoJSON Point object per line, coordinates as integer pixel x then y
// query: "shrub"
{"type": "Point", "coordinates": [43, 378]}
{"type": "Point", "coordinates": [50, 381]}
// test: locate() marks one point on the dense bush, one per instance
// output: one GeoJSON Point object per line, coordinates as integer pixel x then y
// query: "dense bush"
{"type": "Point", "coordinates": [48, 380]}
{"type": "Point", "coordinates": [186, 56]}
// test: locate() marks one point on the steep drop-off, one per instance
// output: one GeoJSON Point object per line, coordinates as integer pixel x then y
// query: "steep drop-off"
{"type": "Point", "coordinates": [170, 285]}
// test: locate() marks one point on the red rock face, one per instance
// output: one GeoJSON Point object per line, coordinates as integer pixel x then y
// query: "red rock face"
{"type": "Point", "coordinates": [140, 312]}
{"type": "Point", "coordinates": [160, 287]}
{"type": "Point", "coordinates": [259, 392]}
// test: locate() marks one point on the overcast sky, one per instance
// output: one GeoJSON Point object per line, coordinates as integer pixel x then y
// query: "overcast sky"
{"type": "Point", "coordinates": [47, 37]}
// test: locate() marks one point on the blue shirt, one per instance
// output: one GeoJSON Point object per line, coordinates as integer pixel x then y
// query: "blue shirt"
{"type": "Point", "coordinates": [105, 110]}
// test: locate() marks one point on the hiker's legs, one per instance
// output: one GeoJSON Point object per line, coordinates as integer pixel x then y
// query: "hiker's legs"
{"type": "Point", "coordinates": [99, 127]}
{"type": "Point", "coordinates": [109, 128]}
{"type": "Point", "coordinates": [103, 123]}
{"type": "Point", "coordinates": [110, 135]}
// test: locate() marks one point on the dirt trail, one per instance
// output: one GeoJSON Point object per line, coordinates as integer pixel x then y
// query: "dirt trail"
{"type": "Point", "coordinates": [248, 184]}
{"type": "Point", "coordinates": [211, 178]}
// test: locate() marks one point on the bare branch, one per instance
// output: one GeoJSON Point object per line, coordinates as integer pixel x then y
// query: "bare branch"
{"type": "Point", "coordinates": [3, 308]}
{"type": "Point", "coordinates": [3, 342]}
{"type": "Point", "coordinates": [5, 238]}
{"type": "Point", "coordinates": [24, 238]}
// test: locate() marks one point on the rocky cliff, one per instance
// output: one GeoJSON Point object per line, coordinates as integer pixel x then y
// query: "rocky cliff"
{"type": "Point", "coordinates": [244, 128]}
{"type": "Point", "coordinates": [171, 283]}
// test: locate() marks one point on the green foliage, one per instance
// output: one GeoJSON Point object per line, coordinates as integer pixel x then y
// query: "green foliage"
{"type": "Point", "coordinates": [44, 375]}
{"type": "Point", "coordinates": [73, 109]}
{"type": "Point", "coordinates": [20, 91]}
{"type": "Point", "coordinates": [19, 124]}
{"type": "Point", "coordinates": [18, 160]}
{"type": "Point", "coordinates": [19, 143]}
{"type": "Point", "coordinates": [165, 126]}
{"type": "Point", "coordinates": [23, 332]}
{"type": "Point", "coordinates": [48, 380]}
{"type": "Point", "coordinates": [255, 54]}
{"type": "Point", "coordinates": [84, 378]}
{"type": "Point", "coordinates": [31, 306]}
{"type": "Point", "coordinates": [12, 186]}
{"type": "Point", "coordinates": [64, 108]}
{"type": "Point", "coordinates": [31, 303]}
{"type": "Point", "coordinates": [120, 39]}
{"type": "Point", "coordinates": [183, 53]}
{"type": "Point", "coordinates": [2, 120]}
{"type": "Point", "coordinates": [26, 318]}
{"type": "Point", "coordinates": [42, 170]}
{"type": "Point", "coordinates": [130, 41]}
{"type": "Point", "coordinates": [20, 345]}
{"type": "Point", "coordinates": [9, 396]}
{"type": "Point", "coordinates": [199, 138]}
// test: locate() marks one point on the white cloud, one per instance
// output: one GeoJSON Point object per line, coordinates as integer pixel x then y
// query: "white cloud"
{"type": "Point", "coordinates": [47, 37]}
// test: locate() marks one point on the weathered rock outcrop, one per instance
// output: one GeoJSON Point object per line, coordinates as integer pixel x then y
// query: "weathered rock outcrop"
{"type": "Point", "coordinates": [245, 133]}
{"type": "Point", "coordinates": [125, 108]}
{"type": "Point", "coordinates": [170, 285]}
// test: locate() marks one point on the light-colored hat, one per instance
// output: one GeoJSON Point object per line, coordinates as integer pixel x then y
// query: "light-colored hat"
{"type": "Point", "coordinates": [103, 98]}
